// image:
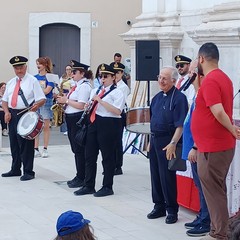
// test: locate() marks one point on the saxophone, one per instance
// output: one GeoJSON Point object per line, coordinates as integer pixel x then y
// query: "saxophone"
{"type": "Point", "coordinates": [58, 108]}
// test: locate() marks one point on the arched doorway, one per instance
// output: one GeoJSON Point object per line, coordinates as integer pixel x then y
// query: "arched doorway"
{"type": "Point", "coordinates": [61, 42]}
{"type": "Point", "coordinates": [81, 21]}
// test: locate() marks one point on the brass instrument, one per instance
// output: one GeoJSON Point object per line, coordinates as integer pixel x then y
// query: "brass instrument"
{"type": "Point", "coordinates": [58, 108]}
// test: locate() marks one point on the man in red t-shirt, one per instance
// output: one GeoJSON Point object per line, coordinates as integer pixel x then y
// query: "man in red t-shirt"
{"type": "Point", "coordinates": [215, 136]}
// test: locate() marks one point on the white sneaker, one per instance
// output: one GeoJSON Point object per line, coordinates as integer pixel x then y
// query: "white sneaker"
{"type": "Point", "coordinates": [44, 153]}
{"type": "Point", "coordinates": [65, 133]}
{"type": "Point", "coordinates": [5, 132]}
{"type": "Point", "coordinates": [37, 153]}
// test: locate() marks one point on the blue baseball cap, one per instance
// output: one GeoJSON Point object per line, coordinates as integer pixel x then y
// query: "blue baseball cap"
{"type": "Point", "coordinates": [70, 222]}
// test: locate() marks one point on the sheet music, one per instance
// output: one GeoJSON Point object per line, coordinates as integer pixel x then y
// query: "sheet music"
{"type": "Point", "coordinates": [53, 78]}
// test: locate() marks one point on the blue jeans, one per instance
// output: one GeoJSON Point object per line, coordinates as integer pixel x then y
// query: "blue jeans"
{"type": "Point", "coordinates": [45, 110]}
{"type": "Point", "coordinates": [203, 215]}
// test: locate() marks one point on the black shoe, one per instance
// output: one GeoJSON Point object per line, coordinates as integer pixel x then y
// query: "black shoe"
{"type": "Point", "coordinates": [171, 218]}
{"type": "Point", "coordinates": [11, 174]}
{"type": "Point", "coordinates": [118, 171]}
{"type": "Point", "coordinates": [104, 191]}
{"type": "Point", "coordinates": [75, 183]}
{"type": "Point", "coordinates": [192, 224]}
{"type": "Point", "coordinates": [198, 231]}
{"type": "Point", "coordinates": [84, 191]}
{"type": "Point", "coordinates": [26, 177]}
{"type": "Point", "coordinates": [156, 213]}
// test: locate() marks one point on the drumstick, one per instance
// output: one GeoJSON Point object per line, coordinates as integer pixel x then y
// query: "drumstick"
{"type": "Point", "coordinates": [24, 110]}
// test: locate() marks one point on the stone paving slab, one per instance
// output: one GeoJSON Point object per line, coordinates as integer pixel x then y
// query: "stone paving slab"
{"type": "Point", "coordinates": [28, 210]}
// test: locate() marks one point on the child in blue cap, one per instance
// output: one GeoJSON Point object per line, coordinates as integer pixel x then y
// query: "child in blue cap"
{"type": "Point", "coordinates": [72, 225]}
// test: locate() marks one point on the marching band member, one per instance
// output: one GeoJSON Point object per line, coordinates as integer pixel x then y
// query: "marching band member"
{"type": "Point", "coordinates": [182, 66]}
{"type": "Point", "coordinates": [22, 150]}
{"type": "Point", "coordinates": [75, 102]}
{"type": "Point", "coordinates": [121, 85]}
{"type": "Point", "coordinates": [66, 83]}
{"type": "Point", "coordinates": [103, 133]}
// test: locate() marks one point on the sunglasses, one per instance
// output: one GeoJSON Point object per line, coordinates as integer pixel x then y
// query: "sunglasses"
{"type": "Point", "coordinates": [103, 75]}
{"type": "Point", "coordinates": [74, 71]}
{"type": "Point", "coordinates": [181, 65]}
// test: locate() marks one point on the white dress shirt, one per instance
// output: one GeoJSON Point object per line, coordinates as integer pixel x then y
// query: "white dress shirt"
{"type": "Point", "coordinates": [31, 90]}
{"type": "Point", "coordinates": [115, 98]}
{"type": "Point", "coordinates": [190, 92]}
{"type": "Point", "coordinates": [80, 94]}
{"type": "Point", "coordinates": [121, 85]}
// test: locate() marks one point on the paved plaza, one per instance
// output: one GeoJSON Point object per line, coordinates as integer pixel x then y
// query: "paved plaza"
{"type": "Point", "coordinates": [28, 210]}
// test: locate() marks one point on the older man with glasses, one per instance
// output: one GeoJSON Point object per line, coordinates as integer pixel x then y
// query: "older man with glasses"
{"type": "Point", "coordinates": [168, 110]}
{"type": "Point", "coordinates": [182, 65]}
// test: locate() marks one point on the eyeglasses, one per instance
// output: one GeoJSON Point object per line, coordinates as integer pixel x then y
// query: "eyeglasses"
{"type": "Point", "coordinates": [161, 78]}
{"type": "Point", "coordinates": [181, 65]}
{"type": "Point", "coordinates": [103, 75]}
{"type": "Point", "coordinates": [68, 69]}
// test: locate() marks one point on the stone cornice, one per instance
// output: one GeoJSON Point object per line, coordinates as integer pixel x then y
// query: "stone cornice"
{"type": "Point", "coordinates": [224, 12]}
{"type": "Point", "coordinates": [153, 26]}
{"type": "Point", "coordinates": [221, 25]}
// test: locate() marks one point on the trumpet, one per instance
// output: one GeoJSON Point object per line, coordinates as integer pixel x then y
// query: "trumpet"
{"type": "Point", "coordinates": [87, 109]}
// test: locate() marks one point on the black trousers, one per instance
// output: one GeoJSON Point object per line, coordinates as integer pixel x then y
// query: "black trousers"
{"type": "Point", "coordinates": [102, 135]}
{"type": "Point", "coordinates": [3, 124]}
{"type": "Point", "coordinates": [79, 152]}
{"type": "Point", "coordinates": [22, 149]}
{"type": "Point", "coordinates": [164, 183]}
{"type": "Point", "coordinates": [119, 148]}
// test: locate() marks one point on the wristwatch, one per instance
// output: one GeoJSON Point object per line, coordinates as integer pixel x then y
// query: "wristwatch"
{"type": "Point", "coordinates": [194, 147]}
{"type": "Point", "coordinates": [173, 142]}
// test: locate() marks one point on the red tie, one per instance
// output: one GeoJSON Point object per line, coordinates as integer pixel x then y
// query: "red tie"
{"type": "Point", "coordinates": [72, 90]}
{"type": "Point", "coordinates": [179, 82]}
{"type": "Point", "coordinates": [15, 93]}
{"type": "Point", "coordinates": [93, 114]}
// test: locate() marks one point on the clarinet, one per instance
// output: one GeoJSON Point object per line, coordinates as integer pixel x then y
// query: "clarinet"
{"type": "Point", "coordinates": [87, 109]}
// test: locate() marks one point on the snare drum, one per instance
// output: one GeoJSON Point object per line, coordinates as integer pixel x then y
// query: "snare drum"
{"type": "Point", "coordinates": [138, 120]}
{"type": "Point", "coordinates": [30, 125]}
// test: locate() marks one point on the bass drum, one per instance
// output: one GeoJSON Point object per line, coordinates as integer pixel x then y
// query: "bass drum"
{"type": "Point", "coordinates": [138, 120]}
{"type": "Point", "coordinates": [30, 125]}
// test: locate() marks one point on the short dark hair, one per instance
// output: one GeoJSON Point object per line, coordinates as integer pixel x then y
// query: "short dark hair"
{"type": "Point", "coordinates": [209, 51]}
{"type": "Point", "coordinates": [2, 84]}
{"type": "Point", "coordinates": [117, 55]}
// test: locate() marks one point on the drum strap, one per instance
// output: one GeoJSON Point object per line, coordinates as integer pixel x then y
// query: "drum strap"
{"type": "Point", "coordinates": [20, 92]}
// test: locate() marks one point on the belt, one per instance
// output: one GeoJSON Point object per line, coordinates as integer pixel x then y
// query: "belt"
{"type": "Point", "coordinates": [73, 114]}
{"type": "Point", "coordinates": [161, 134]}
